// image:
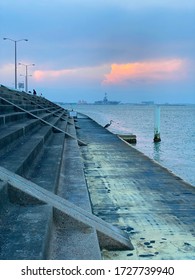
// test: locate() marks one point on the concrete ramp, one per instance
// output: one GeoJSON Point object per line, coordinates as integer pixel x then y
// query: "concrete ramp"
{"type": "Point", "coordinates": [110, 237]}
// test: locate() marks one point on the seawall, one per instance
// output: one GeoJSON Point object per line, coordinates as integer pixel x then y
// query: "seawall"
{"type": "Point", "coordinates": [70, 189]}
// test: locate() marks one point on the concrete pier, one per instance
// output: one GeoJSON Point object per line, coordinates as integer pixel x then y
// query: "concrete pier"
{"type": "Point", "coordinates": [76, 191]}
{"type": "Point", "coordinates": [155, 207]}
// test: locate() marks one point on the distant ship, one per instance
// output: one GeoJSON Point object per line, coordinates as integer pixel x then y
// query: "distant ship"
{"type": "Point", "coordinates": [105, 101]}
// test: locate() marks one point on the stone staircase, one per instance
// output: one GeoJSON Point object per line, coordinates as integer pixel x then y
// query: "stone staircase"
{"type": "Point", "coordinates": [45, 210]}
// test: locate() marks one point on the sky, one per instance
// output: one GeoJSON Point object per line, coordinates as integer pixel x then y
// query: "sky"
{"type": "Point", "coordinates": [134, 50]}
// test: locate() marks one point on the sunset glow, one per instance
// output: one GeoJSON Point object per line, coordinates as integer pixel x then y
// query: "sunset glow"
{"type": "Point", "coordinates": [51, 74]}
{"type": "Point", "coordinates": [87, 74]}
{"type": "Point", "coordinates": [130, 49]}
{"type": "Point", "coordinates": [160, 70]}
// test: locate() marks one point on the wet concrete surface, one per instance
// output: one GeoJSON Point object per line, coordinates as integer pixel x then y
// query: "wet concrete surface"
{"type": "Point", "coordinates": [129, 190]}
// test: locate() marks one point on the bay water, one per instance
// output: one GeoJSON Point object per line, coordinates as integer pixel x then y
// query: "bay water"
{"type": "Point", "coordinates": [176, 151]}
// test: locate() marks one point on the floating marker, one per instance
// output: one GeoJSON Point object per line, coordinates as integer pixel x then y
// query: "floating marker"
{"type": "Point", "coordinates": [157, 124]}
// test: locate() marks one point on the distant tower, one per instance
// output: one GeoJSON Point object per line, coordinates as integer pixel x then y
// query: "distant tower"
{"type": "Point", "coordinates": [105, 100]}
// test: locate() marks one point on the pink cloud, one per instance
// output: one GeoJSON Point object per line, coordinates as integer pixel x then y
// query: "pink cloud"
{"type": "Point", "coordinates": [160, 70]}
{"type": "Point", "coordinates": [52, 74]}
{"type": "Point", "coordinates": [85, 75]}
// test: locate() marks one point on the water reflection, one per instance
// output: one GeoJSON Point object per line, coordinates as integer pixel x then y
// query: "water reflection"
{"type": "Point", "coordinates": [157, 151]}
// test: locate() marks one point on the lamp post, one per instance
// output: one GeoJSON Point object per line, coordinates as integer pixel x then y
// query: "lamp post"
{"type": "Point", "coordinates": [15, 44]}
{"type": "Point", "coordinates": [26, 74]}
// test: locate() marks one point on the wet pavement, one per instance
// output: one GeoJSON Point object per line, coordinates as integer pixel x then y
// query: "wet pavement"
{"type": "Point", "coordinates": [129, 190]}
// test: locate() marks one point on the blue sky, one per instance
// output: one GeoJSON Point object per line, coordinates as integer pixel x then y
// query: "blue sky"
{"type": "Point", "coordinates": [133, 50]}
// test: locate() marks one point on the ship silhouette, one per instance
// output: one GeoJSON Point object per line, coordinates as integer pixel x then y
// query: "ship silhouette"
{"type": "Point", "coordinates": [105, 101]}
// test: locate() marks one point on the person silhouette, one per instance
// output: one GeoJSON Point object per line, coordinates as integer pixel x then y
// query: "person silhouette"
{"type": "Point", "coordinates": [34, 92]}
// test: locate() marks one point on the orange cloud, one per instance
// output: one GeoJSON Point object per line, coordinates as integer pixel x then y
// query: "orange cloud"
{"type": "Point", "coordinates": [77, 75]}
{"type": "Point", "coordinates": [171, 69]}
{"type": "Point", "coordinates": [51, 74]}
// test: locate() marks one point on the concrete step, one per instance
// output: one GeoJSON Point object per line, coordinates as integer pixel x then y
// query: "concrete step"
{"type": "Point", "coordinates": [82, 241]}
{"type": "Point", "coordinates": [22, 214]}
{"type": "Point", "coordinates": [19, 116]}
{"type": "Point", "coordinates": [32, 133]}
{"type": "Point", "coordinates": [45, 210]}
{"type": "Point", "coordinates": [9, 94]}
{"type": "Point", "coordinates": [25, 101]}
{"type": "Point", "coordinates": [20, 157]}
{"type": "Point", "coordinates": [6, 108]}
{"type": "Point", "coordinates": [12, 132]}
{"type": "Point", "coordinates": [70, 214]}
{"type": "Point", "coordinates": [43, 172]}
{"type": "Point", "coordinates": [12, 117]}
{"type": "Point", "coordinates": [17, 101]}
{"type": "Point", "coordinates": [24, 231]}
{"type": "Point", "coordinates": [18, 219]}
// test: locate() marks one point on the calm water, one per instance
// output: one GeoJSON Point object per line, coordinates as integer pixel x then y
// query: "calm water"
{"type": "Point", "coordinates": [176, 151]}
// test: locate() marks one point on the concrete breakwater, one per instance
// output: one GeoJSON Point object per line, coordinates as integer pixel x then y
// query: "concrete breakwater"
{"type": "Point", "coordinates": [70, 189]}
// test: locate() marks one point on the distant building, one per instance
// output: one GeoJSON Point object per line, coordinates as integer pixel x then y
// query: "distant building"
{"type": "Point", "coordinates": [147, 102]}
{"type": "Point", "coordinates": [82, 102]}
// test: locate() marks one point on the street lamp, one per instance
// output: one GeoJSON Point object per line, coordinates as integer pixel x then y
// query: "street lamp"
{"type": "Point", "coordinates": [15, 43]}
{"type": "Point", "coordinates": [26, 75]}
